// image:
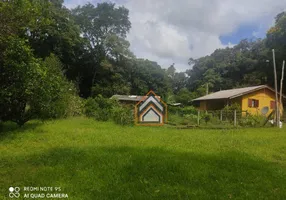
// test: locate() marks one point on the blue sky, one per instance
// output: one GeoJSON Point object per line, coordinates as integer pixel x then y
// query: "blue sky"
{"type": "Point", "coordinates": [249, 31]}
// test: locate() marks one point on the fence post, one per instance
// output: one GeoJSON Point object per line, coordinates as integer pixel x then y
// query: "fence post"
{"type": "Point", "coordinates": [198, 117]}
{"type": "Point", "coordinates": [220, 115]}
{"type": "Point", "coordinates": [234, 118]}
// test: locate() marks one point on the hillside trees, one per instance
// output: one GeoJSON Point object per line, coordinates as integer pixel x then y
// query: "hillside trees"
{"type": "Point", "coordinates": [43, 44]}
{"type": "Point", "coordinates": [276, 39]}
{"type": "Point", "coordinates": [111, 68]}
{"type": "Point", "coordinates": [44, 47]}
{"type": "Point", "coordinates": [246, 64]}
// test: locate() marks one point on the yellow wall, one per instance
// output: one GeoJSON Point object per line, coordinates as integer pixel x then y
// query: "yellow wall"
{"type": "Point", "coordinates": [265, 96]}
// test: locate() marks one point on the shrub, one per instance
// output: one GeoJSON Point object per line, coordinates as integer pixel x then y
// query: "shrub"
{"type": "Point", "coordinates": [99, 108]}
{"type": "Point", "coordinates": [251, 121]}
{"type": "Point", "coordinates": [206, 117]}
{"type": "Point", "coordinates": [182, 110]}
{"type": "Point", "coordinates": [192, 118]}
{"type": "Point", "coordinates": [174, 119]}
{"type": "Point", "coordinates": [122, 115]}
{"type": "Point", "coordinates": [182, 115]}
{"type": "Point", "coordinates": [232, 107]}
{"type": "Point", "coordinates": [188, 119]}
{"type": "Point", "coordinates": [75, 106]}
{"type": "Point", "coordinates": [229, 111]}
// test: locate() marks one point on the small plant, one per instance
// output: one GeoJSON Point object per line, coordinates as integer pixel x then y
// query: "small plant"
{"type": "Point", "coordinates": [207, 118]}
{"type": "Point", "coordinates": [229, 111]}
{"type": "Point", "coordinates": [251, 121]}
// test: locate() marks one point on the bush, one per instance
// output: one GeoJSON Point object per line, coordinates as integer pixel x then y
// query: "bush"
{"type": "Point", "coordinates": [99, 108]}
{"type": "Point", "coordinates": [122, 115]}
{"type": "Point", "coordinates": [229, 111]}
{"type": "Point", "coordinates": [232, 107]}
{"type": "Point", "coordinates": [251, 121]}
{"type": "Point", "coordinates": [103, 109]}
{"type": "Point", "coordinates": [206, 117]}
{"type": "Point", "coordinates": [188, 119]}
{"type": "Point", "coordinates": [75, 106]}
{"type": "Point", "coordinates": [182, 115]}
{"type": "Point", "coordinates": [182, 110]}
{"type": "Point", "coordinates": [175, 119]}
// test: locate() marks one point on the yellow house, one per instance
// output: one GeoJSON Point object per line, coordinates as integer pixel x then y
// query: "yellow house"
{"type": "Point", "coordinates": [251, 99]}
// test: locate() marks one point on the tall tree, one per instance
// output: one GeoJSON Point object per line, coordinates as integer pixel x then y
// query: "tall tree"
{"type": "Point", "coordinates": [104, 27]}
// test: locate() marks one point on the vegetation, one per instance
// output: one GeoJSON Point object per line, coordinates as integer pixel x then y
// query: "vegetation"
{"type": "Point", "coordinates": [246, 64]}
{"type": "Point", "coordinates": [58, 63]}
{"type": "Point", "coordinates": [188, 116]}
{"type": "Point", "coordinates": [143, 162]}
{"type": "Point", "coordinates": [104, 109]}
{"type": "Point", "coordinates": [123, 115]}
{"type": "Point", "coordinates": [100, 108]}
{"type": "Point", "coordinates": [49, 55]}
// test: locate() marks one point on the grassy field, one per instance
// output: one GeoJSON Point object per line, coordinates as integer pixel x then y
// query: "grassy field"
{"type": "Point", "coordinates": [96, 160]}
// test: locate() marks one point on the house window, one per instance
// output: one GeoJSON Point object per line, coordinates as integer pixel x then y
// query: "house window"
{"type": "Point", "coordinates": [272, 104]}
{"type": "Point", "coordinates": [253, 103]}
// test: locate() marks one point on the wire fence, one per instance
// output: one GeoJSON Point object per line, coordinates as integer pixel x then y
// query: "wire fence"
{"type": "Point", "coordinates": [222, 117]}
{"type": "Point", "coordinates": [218, 119]}
{"type": "Point", "coordinates": [226, 115]}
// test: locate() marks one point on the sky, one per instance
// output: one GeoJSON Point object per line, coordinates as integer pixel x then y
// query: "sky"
{"type": "Point", "coordinates": [172, 31]}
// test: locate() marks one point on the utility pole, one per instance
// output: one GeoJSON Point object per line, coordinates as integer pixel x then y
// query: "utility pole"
{"type": "Point", "coordinates": [281, 87]}
{"type": "Point", "coordinates": [277, 114]}
{"type": "Point", "coordinates": [207, 88]}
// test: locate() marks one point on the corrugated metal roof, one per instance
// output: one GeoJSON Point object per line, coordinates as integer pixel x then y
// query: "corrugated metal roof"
{"type": "Point", "coordinates": [233, 93]}
{"type": "Point", "coordinates": [127, 97]}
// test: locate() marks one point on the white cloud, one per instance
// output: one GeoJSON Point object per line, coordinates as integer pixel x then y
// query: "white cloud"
{"type": "Point", "coordinates": [169, 31]}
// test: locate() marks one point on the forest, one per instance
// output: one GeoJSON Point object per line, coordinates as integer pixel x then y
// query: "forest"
{"type": "Point", "coordinates": [52, 57]}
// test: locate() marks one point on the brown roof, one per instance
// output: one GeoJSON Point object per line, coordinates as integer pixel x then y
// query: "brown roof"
{"type": "Point", "coordinates": [136, 98]}
{"type": "Point", "coordinates": [127, 97]}
{"type": "Point", "coordinates": [233, 93]}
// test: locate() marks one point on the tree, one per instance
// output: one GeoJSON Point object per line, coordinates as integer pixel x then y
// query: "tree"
{"type": "Point", "coordinates": [276, 39]}
{"type": "Point", "coordinates": [184, 96]}
{"type": "Point", "coordinates": [179, 82]}
{"type": "Point", "coordinates": [242, 65]}
{"type": "Point", "coordinates": [48, 27]}
{"type": "Point", "coordinates": [20, 76]}
{"type": "Point", "coordinates": [145, 75]}
{"type": "Point", "coordinates": [171, 71]}
{"type": "Point", "coordinates": [30, 88]}
{"type": "Point", "coordinates": [104, 27]}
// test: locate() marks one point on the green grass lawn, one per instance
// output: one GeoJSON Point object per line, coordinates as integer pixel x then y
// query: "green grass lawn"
{"type": "Point", "coordinates": [100, 160]}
